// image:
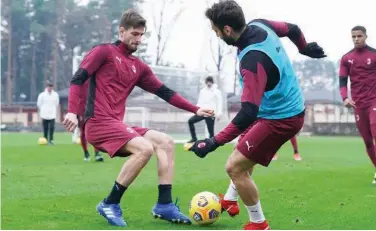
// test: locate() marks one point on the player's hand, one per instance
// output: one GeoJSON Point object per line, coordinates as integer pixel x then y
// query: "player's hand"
{"type": "Point", "coordinates": [70, 121]}
{"type": "Point", "coordinates": [202, 147]}
{"type": "Point", "coordinates": [205, 112]}
{"type": "Point", "coordinates": [313, 50]}
{"type": "Point", "coordinates": [349, 103]}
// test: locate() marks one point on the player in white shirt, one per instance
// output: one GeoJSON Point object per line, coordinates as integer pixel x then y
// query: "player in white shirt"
{"type": "Point", "coordinates": [210, 97]}
{"type": "Point", "coordinates": [48, 102]}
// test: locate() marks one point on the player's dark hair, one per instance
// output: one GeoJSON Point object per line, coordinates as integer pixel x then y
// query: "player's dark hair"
{"type": "Point", "coordinates": [132, 18]}
{"type": "Point", "coordinates": [361, 28]}
{"type": "Point", "coordinates": [226, 13]}
{"type": "Point", "coordinates": [209, 79]}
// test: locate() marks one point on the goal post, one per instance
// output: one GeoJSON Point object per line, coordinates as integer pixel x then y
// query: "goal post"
{"type": "Point", "coordinates": [137, 116]}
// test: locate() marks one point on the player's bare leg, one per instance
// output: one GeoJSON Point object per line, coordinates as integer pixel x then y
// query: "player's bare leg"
{"type": "Point", "coordinates": [164, 148]}
{"type": "Point", "coordinates": [239, 168]}
{"type": "Point", "coordinates": [294, 144]}
{"type": "Point", "coordinates": [141, 150]}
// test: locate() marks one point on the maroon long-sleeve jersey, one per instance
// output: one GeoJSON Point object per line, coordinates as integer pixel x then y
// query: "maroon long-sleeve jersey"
{"type": "Point", "coordinates": [113, 74]}
{"type": "Point", "coordinates": [360, 66]}
{"type": "Point", "coordinates": [259, 73]}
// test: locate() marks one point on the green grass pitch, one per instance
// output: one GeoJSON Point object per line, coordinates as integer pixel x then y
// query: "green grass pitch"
{"type": "Point", "coordinates": [50, 187]}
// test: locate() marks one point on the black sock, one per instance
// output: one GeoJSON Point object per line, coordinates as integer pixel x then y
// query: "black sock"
{"type": "Point", "coordinates": [97, 154]}
{"type": "Point", "coordinates": [116, 194]}
{"type": "Point", "coordinates": [164, 196]}
{"type": "Point", "coordinates": [87, 154]}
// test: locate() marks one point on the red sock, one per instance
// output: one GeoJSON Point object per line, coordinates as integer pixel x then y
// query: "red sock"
{"type": "Point", "coordinates": [294, 143]}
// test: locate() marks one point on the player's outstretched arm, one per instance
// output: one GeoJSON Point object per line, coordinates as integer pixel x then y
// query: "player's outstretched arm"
{"type": "Point", "coordinates": [294, 33]}
{"type": "Point", "coordinates": [285, 29]}
{"type": "Point", "coordinates": [150, 83]}
{"type": "Point", "coordinates": [89, 65]}
{"type": "Point", "coordinates": [254, 79]}
{"type": "Point", "coordinates": [343, 78]}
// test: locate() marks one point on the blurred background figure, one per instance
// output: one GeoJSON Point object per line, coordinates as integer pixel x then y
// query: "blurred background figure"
{"type": "Point", "coordinates": [210, 97]}
{"type": "Point", "coordinates": [48, 102]}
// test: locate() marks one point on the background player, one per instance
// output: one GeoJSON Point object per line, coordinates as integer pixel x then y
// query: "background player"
{"type": "Point", "coordinates": [113, 73]}
{"type": "Point", "coordinates": [294, 143]}
{"type": "Point", "coordinates": [81, 123]}
{"type": "Point", "coordinates": [360, 65]}
{"type": "Point", "coordinates": [268, 76]}
{"type": "Point", "coordinates": [210, 97]}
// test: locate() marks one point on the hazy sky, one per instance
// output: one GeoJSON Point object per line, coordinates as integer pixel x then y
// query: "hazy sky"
{"type": "Point", "coordinates": [326, 21]}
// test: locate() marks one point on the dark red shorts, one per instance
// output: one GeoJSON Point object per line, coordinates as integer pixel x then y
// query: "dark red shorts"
{"type": "Point", "coordinates": [109, 135]}
{"type": "Point", "coordinates": [265, 137]}
{"type": "Point", "coordinates": [365, 119]}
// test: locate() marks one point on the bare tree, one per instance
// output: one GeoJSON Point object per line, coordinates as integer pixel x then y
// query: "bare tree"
{"type": "Point", "coordinates": [9, 71]}
{"type": "Point", "coordinates": [163, 23]}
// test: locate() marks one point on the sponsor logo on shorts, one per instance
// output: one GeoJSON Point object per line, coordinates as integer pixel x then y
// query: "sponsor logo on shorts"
{"type": "Point", "coordinates": [249, 146]}
{"type": "Point", "coordinates": [374, 109]}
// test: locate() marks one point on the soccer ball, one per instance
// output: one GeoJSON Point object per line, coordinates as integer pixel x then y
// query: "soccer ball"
{"type": "Point", "coordinates": [42, 141]}
{"type": "Point", "coordinates": [205, 208]}
{"type": "Point", "coordinates": [187, 146]}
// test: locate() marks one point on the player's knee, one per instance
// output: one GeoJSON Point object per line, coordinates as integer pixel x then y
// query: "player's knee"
{"type": "Point", "coordinates": [146, 150]}
{"type": "Point", "coordinates": [165, 142]}
{"type": "Point", "coordinates": [232, 169]}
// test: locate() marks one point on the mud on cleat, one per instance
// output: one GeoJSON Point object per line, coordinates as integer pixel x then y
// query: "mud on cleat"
{"type": "Point", "coordinates": [231, 207]}
{"type": "Point", "coordinates": [170, 212]}
{"type": "Point", "coordinates": [112, 212]}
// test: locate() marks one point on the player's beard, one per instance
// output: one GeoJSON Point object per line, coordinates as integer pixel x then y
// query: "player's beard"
{"type": "Point", "coordinates": [228, 40]}
{"type": "Point", "coordinates": [132, 48]}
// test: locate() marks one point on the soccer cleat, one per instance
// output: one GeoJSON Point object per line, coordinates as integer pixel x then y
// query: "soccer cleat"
{"type": "Point", "coordinates": [86, 156]}
{"type": "Point", "coordinates": [374, 179]}
{"type": "Point", "coordinates": [275, 157]}
{"type": "Point", "coordinates": [170, 212]}
{"type": "Point", "coordinates": [231, 207]}
{"type": "Point", "coordinates": [112, 212]}
{"type": "Point", "coordinates": [256, 226]}
{"type": "Point", "coordinates": [297, 157]}
{"type": "Point", "coordinates": [51, 142]}
{"type": "Point", "coordinates": [99, 158]}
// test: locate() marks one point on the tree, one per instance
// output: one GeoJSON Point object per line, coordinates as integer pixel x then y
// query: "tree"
{"type": "Point", "coordinates": [163, 24]}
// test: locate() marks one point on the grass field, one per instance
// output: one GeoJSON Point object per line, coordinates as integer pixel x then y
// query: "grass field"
{"type": "Point", "coordinates": [50, 187]}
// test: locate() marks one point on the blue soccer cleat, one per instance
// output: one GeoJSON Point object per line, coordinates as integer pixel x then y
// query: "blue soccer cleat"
{"type": "Point", "coordinates": [170, 212]}
{"type": "Point", "coordinates": [112, 212]}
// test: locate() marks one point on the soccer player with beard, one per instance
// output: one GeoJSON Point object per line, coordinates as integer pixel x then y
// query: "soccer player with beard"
{"type": "Point", "coordinates": [113, 73]}
{"type": "Point", "coordinates": [272, 110]}
{"type": "Point", "coordinates": [360, 65]}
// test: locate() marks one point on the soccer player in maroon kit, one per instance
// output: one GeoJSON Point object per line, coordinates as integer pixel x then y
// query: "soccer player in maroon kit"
{"type": "Point", "coordinates": [272, 110]}
{"type": "Point", "coordinates": [83, 100]}
{"type": "Point", "coordinates": [360, 65]}
{"type": "Point", "coordinates": [113, 73]}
